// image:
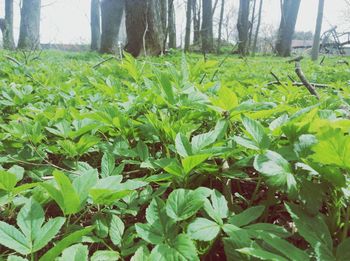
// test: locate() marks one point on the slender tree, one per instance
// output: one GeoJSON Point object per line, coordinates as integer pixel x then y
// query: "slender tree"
{"type": "Point", "coordinates": [112, 14]}
{"type": "Point", "coordinates": [171, 24]}
{"type": "Point", "coordinates": [243, 26]}
{"type": "Point", "coordinates": [220, 25]}
{"type": "Point", "coordinates": [95, 23]}
{"type": "Point", "coordinates": [257, 27]}
{"type": "Point", "coordinates": [196, 10]}
{"type": "Point", "coordinates": [207, 27]}
{"type": "Point", "coordinates": [6, 26]}
{"type": "Point", "coordinates": [252, 22]}
{"type": "Point", "coordinates": [144, 27]}
{"type": "Point", "coordinates": [29, 32]}
{"type": "Point", "coordinates": [188, 25]}
{"type": "Point", "coordinates": [316, 44]}
{"type": "Point", "coordinates": [290, 9]}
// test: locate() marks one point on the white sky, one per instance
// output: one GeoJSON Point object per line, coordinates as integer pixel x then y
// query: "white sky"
{"type": "Point", "coordinates": [67, 21]}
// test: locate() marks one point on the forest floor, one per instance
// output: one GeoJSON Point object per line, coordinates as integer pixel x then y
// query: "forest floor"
{"type": "Point", "coordinates": [173, 158]}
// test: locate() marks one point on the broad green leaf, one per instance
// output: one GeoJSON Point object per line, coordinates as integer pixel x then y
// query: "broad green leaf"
{"type": "Point", "coordinates": [105, 255]}
{"type": "Point", "coordinates": [71, 200]}
{"type": "Point", "coordinates": [182, 145]}
{"type": "Point", "coordinates": [343, 253]}
{"type": "Point", "coordinates": [268, 228]}
{"type": "Point", "coordinates": [219, 203]}
{"type": "Point", "coordinates": [313, 229]}
{"type": "Point", "coordinates": [47, 232]}
{"type": "Point", "coordinates": [261, 254]}
{"type": "Point", "coordinates": [249, 144]}
{"type": "Point", "coordinates": [190, 162]}
{"type": "Point", "coordinates": [107, 165]}
{"type": "Point", "coordinates": [276, 169]}
{"type": "Point", "coordinates": [15, 258]}
{"type": "Point", "coordinates": [203, 229]}
{"type": "Point", "coordinates": [116, 230]}
{"type": "Point", "coordinates": [201, 141]}
{"type": "Point", "coordinates": [30, 219]}
{"type": "Point", "coordinates": [174, 168]}
{"type": "Point", "coordinates": [12, 238]}
{"type": "Point", "coordinates": [257, 132]}
{"type": "Point", "coordinates": [227, 99]}
{"type": "Point", "coordinates": [83, 184]}
{"type": "Point", "coordinates": [141, 254]}
{"type": "Point", "coordinates": [151, 233]}
{"type": "Point", "coordinates": [55, 194]}
{"type": "Point", "coordinates": [17, 170]}
{"type": "Point", "coordinates": [7, 181]}
{"type": "Point", "coordinates": [65, 243]}
{"type": "Point", "coordinates": [142, 151]}
{"type": "Point", "coordinates": [285, 248]}
{"type": "Point", "coordinates": [181, 249]}
{"type": "Point", "coordinates": [333, 148]}
{"type": "Point", "coordinates": [106, 196]}
{"type": "Point", "coordinates": [217, 207]}
{"type": "Point", "coordinates": [76, 252]}
{"type": "Point", "coordinates": [182, 204]}
{"type": "Point", "coordinates": [247, 216]}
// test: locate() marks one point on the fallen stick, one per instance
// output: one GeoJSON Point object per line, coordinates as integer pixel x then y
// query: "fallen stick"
{"type": "Point", "coordinates": [302, 77]}
{"type": "Point", "coordinates": [102, 62]}
{"type": "Point", "coordinates": [295, 83]}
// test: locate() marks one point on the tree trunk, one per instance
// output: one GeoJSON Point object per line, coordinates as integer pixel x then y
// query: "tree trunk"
{"type": "Point", "coordinates": [95, 25]}
{"type": "Point", "coordinates": [317, 36]}
{"type": "Point", "coordinates": [243, 26]}
{"type": "Point", "coordinates": [163, 13]}
{"type": "Point", "coordinates": [29, 33]}
{"type": "Point", "coordinates": [207, 27]}
{"type": "Point", "coordinates": [290, 9]}
{"type": "Point", "coordinates": [7, 26]}
{"type": "Point", "coordinates": [251, 27]}
{"type": "Point", "coordinates": [171, 24]}
{"type": "Point", "coordinates": [188, 25]}
{"type": "Point", "coordinates": [196, 10]}
{"type": "Point", "coordinates": [257, 27]}
{"type": "Point", "coordinates": [220, 25]}
{"type": "Point", "coordinates": [144, 27]}
{"type": "Point", "coordinates": [112, 14]}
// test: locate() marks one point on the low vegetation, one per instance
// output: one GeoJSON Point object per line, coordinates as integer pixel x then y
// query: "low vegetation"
{"type": "Point", "coordinates": [172, 158]}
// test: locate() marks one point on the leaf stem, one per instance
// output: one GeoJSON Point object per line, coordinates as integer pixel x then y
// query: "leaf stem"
{"type": "Point", "coordinates": [346, 223]}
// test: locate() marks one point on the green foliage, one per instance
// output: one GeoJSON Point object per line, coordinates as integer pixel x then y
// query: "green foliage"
{"type": "Point", "coordinates": [172, 158]}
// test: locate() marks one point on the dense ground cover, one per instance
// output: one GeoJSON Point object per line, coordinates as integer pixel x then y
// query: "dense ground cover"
{"type": "Point", "coordinates": [172, 158]}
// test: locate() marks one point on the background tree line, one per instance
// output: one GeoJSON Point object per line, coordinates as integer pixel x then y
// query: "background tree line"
{"type": "Point", "coordinates": [151, 26]}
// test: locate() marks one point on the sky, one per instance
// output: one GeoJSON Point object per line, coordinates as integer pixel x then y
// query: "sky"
{"type": "Point", "coordinates": [67, 21]}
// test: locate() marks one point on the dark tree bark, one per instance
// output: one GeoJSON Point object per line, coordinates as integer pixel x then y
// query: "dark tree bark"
{"type": "Point", "coordinates": [290, 9]}
{"type": "Point", "coordinates": [171, 24]}
{"type": "Point", "coordinates": [316, 44]}
{"type": "Point", "coordinates": [257, 27]}
{"type": "Point", "coordinates": [243, 26]}
{"type": "Point", "coordinates": [112, 14]}
{"type": "Point", "coordinates": [196, 10]}
{"type": "Point", "coordinates": [144, 27]}
{"type": "Point", "coordinates": [188, 25]}
{"type": "Point", "coordinates": [95, 25]}
{"type": "Point", "coordinates": [220, 25]}
{"type": "Point", "coordinates": [207, 27]}
{"type": "Point", "coordinates": [29, 33]}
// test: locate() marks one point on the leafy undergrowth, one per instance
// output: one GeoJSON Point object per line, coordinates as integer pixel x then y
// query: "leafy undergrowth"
{"type": "Point", "coordinates": [172, 158]}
